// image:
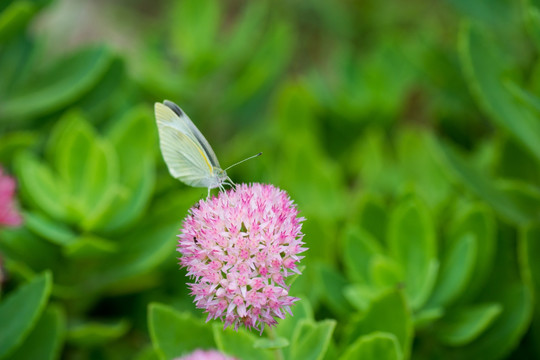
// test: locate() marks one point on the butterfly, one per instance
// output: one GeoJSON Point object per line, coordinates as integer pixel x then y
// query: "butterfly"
{"type": "Point", "coordinates": [186, 152]}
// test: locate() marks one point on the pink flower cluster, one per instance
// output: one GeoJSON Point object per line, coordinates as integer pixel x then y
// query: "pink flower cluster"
{"type": "Point", "coordinates": [239, 247]}
{"type": "Point", "coordinates": [206, 355]}
{"type": "Point", "coordinates": [8, 214]}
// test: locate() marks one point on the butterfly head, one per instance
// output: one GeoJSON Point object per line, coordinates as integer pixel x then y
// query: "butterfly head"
{"type": "Point", "coordinates": [219, 177]}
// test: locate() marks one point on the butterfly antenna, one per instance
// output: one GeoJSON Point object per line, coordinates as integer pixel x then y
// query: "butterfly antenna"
{"type": "Point", "coordinates": [249, 158]}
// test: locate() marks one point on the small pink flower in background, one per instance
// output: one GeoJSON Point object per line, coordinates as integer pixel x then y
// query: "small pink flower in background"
{"type": "Point", "coordinates": [206, 355]}
{"type": "Point", "coordinates": [8, 213]}
{"type": "Point", "coordinates": [239, 247]}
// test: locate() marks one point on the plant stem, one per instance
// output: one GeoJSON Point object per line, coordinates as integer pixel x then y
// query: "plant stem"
{"type": "Point", "coordinates": [278, 354]}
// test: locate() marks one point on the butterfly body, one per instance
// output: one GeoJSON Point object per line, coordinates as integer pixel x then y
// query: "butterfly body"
{"type": "Point", "coordinates": [188, 155]}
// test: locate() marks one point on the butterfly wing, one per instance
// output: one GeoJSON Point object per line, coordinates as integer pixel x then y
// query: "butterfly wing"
{"type": "Point", "coordinates": [186, 159]}
{"type": "Point", "coordinates": [185, 122]}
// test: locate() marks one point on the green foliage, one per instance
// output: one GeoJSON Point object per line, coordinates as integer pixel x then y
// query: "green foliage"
{"type": "Point", "coordinates": [410, 143]}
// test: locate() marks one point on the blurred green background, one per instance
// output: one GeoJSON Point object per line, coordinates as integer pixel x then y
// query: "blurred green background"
{"type": "Point", "coordinates": [408, 133]}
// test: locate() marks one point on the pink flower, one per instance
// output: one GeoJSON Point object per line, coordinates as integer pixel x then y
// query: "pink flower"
{"type": "Point", "coordinates": [206, 355]}
{"type": "Point", "coordinates": [239, 247]}
{"type": "Point", "coordinates": [8, 214]}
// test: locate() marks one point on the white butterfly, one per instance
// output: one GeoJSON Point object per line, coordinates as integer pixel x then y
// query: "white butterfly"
{"type": "Point", "coordinates": [188, 155]}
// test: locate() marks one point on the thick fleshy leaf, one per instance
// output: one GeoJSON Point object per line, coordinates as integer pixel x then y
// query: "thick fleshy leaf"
{"type": "Point", "coordinates": [514, 162]}
{"type": "Point", "coordinates": [279, 41]}
{"type": "Point", "coordinates": [463, 325]}
{"type": "Point", "coordinates": [301, 310]}
{"type": "Point", "coordinates": [144, 246]}
{"type": "Point", "coordinates": [271, 344]}
{"type": "Point", "coordinates": [525, 196]}
{"type": "Point", "coordinates": [485, 69]}
{"type": "Point", "coordinates": [134, 138]}
{"type": "Point", "coordinates": [359, 249]}
{"type": "Point", "coordinates": [426, 317]}
{"type": "Point", "coordinates": [239, 344]}
{"type": "Point", "coordinates": [13, 142]}
{"type": "Point", "coordinates": [530, 251]}
{"type": "Point", "coordinates": [311, 339]}
{"type": "Point", "coordinates": [46, 339]}
{"type": "Point", "coordinates": [195, 28]}
{"type": "Point", "coordinates": [20, 311]}
{"type": "Point", "coordinates": [90, 246]}
{"type": "Point", "coordinates": [481, 185]}
{"type": "Point", "coordinates": [14, 18]}
{"type": "Point", "coordinates": [29, 250]}
{"type": "Point", "coordinates": [373, 216]}
{"type": "Point", "coordinates": [420, 170]}
{"type": "Point", "coordinates": [58, 85]}
{"type": "Point", "coordinates": [386, 272]}
{"type": "Point", "coordinates": [388, 313]}
{"type": "Point", "coordinates": [478, 220]}
{"type": "Point", "coordinates": [175, 333]}
{"type": "Point", "coordinates": [360, 296]}
{"type": "Point", "coordinates": [411, 241]}
{"type": "Point", "coordinates": [40, 186]}
{"type": "Point", "coordinates": [375, 346]}
{"type": "Point", "coordinates": [92, 333]}
{"type": "Point", "coordinates": [15, 62]}
{"type": "Point", "coordinates": [54, 231]}
{"type": "Point", "coordinates": [333, 285]}
{"type": "Point", "coordinates": [456, 270]}
{"type": "Point", "coordinates": [510, 287]}
{"type": "Point", "coordinates": [88, 165]}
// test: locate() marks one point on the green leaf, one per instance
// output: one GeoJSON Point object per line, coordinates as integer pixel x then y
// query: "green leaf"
{"type": "Point", "coordinates": [14, 18]}
{"type": "Point", "coordinates": [375, 346]}
{"type": "Point", "coordinates": [195, 27]}
{"type": "Point", "coordinates": [57, 85]}
{"type": "Point", "coordinates": [333, 285]}
{"type": "Point", "coordinates": [358, 250]}
{"type": "Point", "coordinates": [40, 186]}
{"type": "Point", "coordinates": [88, 165]}
{"type": "Point", "coordinates": [386, 272]}
{"type": "Point", "coordinates": [525, 196]}
{"type": "Point", "coordinates": [529, 251]}
{"type": "Point", "coordinates": [486, 71]}
{"type": "Point", "coordinates": [311, 339]}
{"type": "Point", "coordinates": [240, 344]}
{"type": "Point", "coordinates": [93, 333]}
{"type": "Point", "coordinates": [461, 326]}
{"type": "Point", "coordinates": [426, 317]}
{"type": "Point", "coordinates": [175, 333]}
{"type": "Point", "coordinates": [510, 287]}
{"type": "Point", "coordinates": [45, 340]}
{"type": "Point", "coordinates": [481, 185]}
{"type": "Point", "coordinates": [90, 246]}
{"type": "Point", "coordinates": [508, 167]}
{"type": "Point", "coordinates": [388, 313]}
{"type": "Point", "coordinates": [411, 241]}
{"type": "Point", "coordinates": [247, 31]}
{"type": "Point", "coordinates": [20, 311]}
{"type": "Point", "coordinates": [144, 246]}
{"type": "Point", "coordinates": [419, 168]}
{"type": "Point", "coordinates": [271, 344]}
{"type": "Point", "coordinates": [301, 310]}
{"type": "Point", "coordinates": [360, 296]}
{"type": "Point", "coordinates": [56, 232]}
{"type": "Point", "coordinates": [456, 271]}
{"type": "Point", "coordinates": [478, 220]}
{"type": "Point", "coordinates": [13, 142]}
{"type": "Point", "coordinates": [373, 216]}
{"type": "Point", "coordinates": [21, 245]}
{"type": "Point", "coordinates": [266, 64]}
{"type": "Point", "coordinates": [532, 20]}
{"type": "Point", "coordinates": [134, 137]}
{"type": "Point", "coordinates": [17, 58]}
